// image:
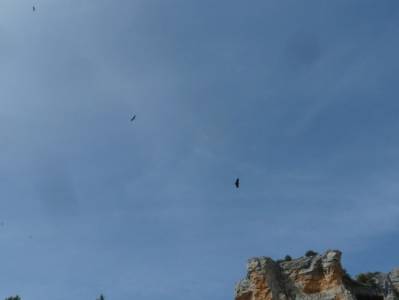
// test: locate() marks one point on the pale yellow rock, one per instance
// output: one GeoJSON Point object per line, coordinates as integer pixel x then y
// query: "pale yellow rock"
{"type": "Point", "coordinates": [317, 277]}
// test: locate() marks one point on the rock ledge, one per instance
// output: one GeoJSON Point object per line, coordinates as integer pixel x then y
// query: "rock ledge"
{"type": "Point", "coordinates": [312, 277]}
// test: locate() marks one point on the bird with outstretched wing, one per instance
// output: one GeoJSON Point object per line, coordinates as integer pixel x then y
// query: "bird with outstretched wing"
{"type": "Point", "coordinates": [237, 183]}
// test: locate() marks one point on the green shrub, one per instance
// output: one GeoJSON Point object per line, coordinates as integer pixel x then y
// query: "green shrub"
{"type": "Point", "coordinates": [14, 298]}
{"type": "Point", "coordinates": [310, 253]}
{"type": "Point", "coordinates": [366, 278]}
{"type": "Point", "coordinates": [346, 275]}
{"type": "Point", "coordinates": [287, 258]}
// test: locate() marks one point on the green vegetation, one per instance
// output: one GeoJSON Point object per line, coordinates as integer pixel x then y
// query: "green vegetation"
{"type": "Point", "coordinates": [287, 258]}
{"type": "Point", "coordinates": [346, 275]}
{"type": "Point", "coordinates": [310, 253]}
{"type": "Point", "coordinates": [367, 278]}
{"type": "Point", "coordinates": [14, 298]}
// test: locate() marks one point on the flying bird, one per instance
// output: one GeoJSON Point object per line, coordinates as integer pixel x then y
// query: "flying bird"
{"type": "Point", "coordinates": [132, 119]}
{"type": "Point", "coordinates": [237, 183]}
{"type": "Point", "coordinates": [33, 8]}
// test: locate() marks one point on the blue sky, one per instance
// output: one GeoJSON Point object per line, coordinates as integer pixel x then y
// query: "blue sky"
{"type": "Point", "coordinates": [297, 98]}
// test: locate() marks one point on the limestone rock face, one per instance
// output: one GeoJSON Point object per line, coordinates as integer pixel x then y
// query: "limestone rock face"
{"type": "Point", "coordinates": [312, 277]}
{"type": "Point", "coordinates": [394, 278]}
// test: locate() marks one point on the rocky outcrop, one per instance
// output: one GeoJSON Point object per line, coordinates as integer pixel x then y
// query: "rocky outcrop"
{"type": "Point", "coordinates": [393, 277]}
{"type": "Point", "coordinates": [312, 277]}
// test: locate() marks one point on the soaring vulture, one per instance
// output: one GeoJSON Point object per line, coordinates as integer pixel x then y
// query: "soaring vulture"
{"type": "Point", "coordinates": [237, 183]}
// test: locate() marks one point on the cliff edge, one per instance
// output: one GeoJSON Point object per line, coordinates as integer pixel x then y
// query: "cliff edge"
{"type": "Point", "coordinates": [311, 277]}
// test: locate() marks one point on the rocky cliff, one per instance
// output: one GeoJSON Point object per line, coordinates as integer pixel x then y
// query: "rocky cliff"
{"type": "Point", "coordinates": [314, 276]}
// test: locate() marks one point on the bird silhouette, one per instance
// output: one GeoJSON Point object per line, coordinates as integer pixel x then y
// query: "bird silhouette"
{"type": "Point", "coordinates": [237, 183]}
{"type": "Point", "coordinates": [132, 119]}
{"type": "Point", "coordinates": [33, 8]}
